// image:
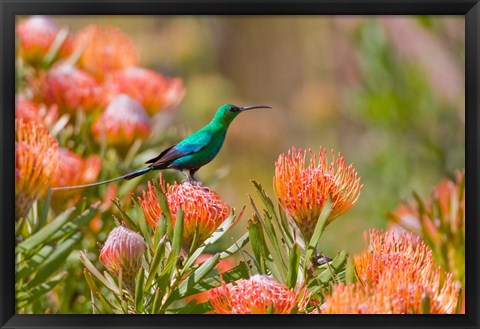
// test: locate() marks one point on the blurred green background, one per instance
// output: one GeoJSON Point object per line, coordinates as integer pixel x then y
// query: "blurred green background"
{"type": "Point", "coordinates": [386, 92]}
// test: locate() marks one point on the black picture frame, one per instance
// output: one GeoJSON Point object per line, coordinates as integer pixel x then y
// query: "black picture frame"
{"type": "Point", "coordinates": [10, 8]}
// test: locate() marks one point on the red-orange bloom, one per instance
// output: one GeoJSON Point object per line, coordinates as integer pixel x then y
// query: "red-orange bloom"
{"type": "Point", "coordinates": [203, 210]}
{"type": "Point", "coordinates": [154, 91]}
{"type": "Point", "coordinates": [105, 49]}
{"type": "Point", "coordinates": [258, 295]}
{"type": "Point", "coordinates": [36, 36]}
{"type": "Point", "coordinates": [74, 170]}
{"type": "Point", "coordinates": [122, 252]}
{"type": "Point", "coordinates": [28, 111]}
{"type": "Point", "coordinates": [396, 275]}
{"type": "Point", "coordinates": [303, 188]}
{"type": "Point", "coordinates": [36, 163]}
{"type": "Point", "coordinates": [123, 121]}
{"type": "Point", "coordinates": [68, 87]}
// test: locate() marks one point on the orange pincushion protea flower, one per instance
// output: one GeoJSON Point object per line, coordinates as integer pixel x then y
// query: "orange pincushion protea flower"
{"type": "Point", "coordinates": [36, 163]}
{"type": "Point", "coordinates": [396, 275]}
{"type": "Point", "coordinates": [68, 87]}
{"type": "Point", "coordinates": [37, 34]}
{"type": "Point", "coordinates": [105, 49]}
{"type": "Point", "coordinates": [123, 121]}
{"type": "Point", "coordinates": [122, 252]}
{"type": "Point", "coordinates": [148, 87]}
{"type": "Point", "coordinates": [258, 295]}
{"type": "Point", "coordinates": [203, 210]}
{"type": "Point", "coordinates": [303, 188]}
{"type": "Point", "coordinates": [28, 111]}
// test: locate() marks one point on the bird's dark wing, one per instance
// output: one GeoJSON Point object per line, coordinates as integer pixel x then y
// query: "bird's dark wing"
{"type": "Point", "coordinates": [185, 147]}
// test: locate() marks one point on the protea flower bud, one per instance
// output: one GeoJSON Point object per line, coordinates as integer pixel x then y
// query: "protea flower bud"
{"type": "Point", "coordinates": [36, 163]}
{"type": "Point", "coordinates": [104, 50]}
{"type": "Point", "coordinates": [258, 295]}
{"type": "Point", "coordinates": [122, 254]}
{"type": "Point", "coordinates": [203, 210]}
{"type": "Point", "coordinates": [68, 87]}
{"type": "Point", "coordinates": [154, 91]}
{"type": "Point", "coordinates": [37, 35]}
{"type": "Point", "coordinates": [123, 121]}
{"type": "Point", "coordinates": [303, 189]}
{"type": "Point", "coordinates": [396, 275]}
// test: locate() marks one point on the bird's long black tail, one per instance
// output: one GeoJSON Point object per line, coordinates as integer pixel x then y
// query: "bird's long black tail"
{"type": "Point", "coordinates": [127, 176]}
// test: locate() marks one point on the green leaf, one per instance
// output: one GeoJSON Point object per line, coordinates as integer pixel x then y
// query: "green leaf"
{"type": "Point", "coordinates": [74, 225]}
{"type": "Point", "coordinates": [43, 234]}
{"type": "Point", "coordinates": [39, 290]}
{"type": "Point", "coordinates": [350, 271]}
{"type": "Point", "coordinates": [259, 245]}
{"type": "Point", "coordinates": [142, 224]}
{"type": "Point", "coordinates": [33, 263]}
{"type": "Point", "coordinates": [191, 281]}
{"type": "Point", "coordinates": [178, 233]}
{"type": "Point", "coordinates": [219, 232]}
{"type": "Point", "coordinates": [45, 206]}
{"type": "Point", "coordinates": [317, 233]}
{"type": "Point", "coordinates": [93, 270]}
{"type": "Point", "coordinates": [333, 268]}
{"type": "Point", "coordinates": [236, 246]}
{"type": "Point", "coordinates": [293, 266]}
{"type": "Point", "coordinates": [55, 259]}
{"type": "Point", "coordinates": [162, 201]}
{"type": "Point", "coordinates": [157, 257]}
{"type": "Point", "coordinates": [125, 218]}
{"type": "Point", "coordinates": [93, 287]}
{"type": "Point", "coordinates": [139, 293]}
{"type": "Point", "coordinates": [193, 308]}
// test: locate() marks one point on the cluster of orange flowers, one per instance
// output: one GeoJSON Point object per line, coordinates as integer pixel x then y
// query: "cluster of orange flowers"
{"type": "Point", "coordinates": [94, 71]}
{"type": "Point", "coordinates": [398, 276]}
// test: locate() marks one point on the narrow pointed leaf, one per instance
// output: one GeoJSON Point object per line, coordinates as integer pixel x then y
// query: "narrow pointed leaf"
{"type": "Point", "coordinates": [293, 266]}
{"type": "Point", "coordinates": [56, 259]}
{"type": "Point", "coordinates": [139, 293]}
{"type": "Point", "coordinates": [40, 290]}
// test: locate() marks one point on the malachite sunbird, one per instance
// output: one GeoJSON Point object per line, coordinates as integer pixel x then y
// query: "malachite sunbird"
{"type": "Point", "coordinates": [192, 152]}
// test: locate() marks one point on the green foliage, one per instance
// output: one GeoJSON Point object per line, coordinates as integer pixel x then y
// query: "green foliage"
{"type": "Point", "coordinates": [169, 273]}
{"type": "Point", "coordinates": [297, 261]}
{"type": "Point", "coordinates": [43, 249]}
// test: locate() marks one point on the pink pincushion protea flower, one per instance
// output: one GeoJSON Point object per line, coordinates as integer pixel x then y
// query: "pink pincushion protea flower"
{"type": "Point", "coordinates": [68, 87]}
{"type": "Point", "coordinates": [396, 275]}
{"type": "Point", "coordinates": [258, 295]}
{"type": "Point", "coordinates": [303, 188]}
{"type": "Point", "coordinates": [122, 254]}
{"type": "Point", "coordinates": [36, 163]}
{"type": "Point", "coordinates": [36, 35]}
{"type": "Point", "coordinates": [203, 210]}
{"type": "Point", "coordinates": [154, 91]}
{"type": "Point", "coordinates": [105, 49]}
{"type": "Point", "coordinates": [123, 121]}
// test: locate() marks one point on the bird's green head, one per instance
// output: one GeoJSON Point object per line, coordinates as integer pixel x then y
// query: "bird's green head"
{"type": "Point", "coordinates": [227, 112]}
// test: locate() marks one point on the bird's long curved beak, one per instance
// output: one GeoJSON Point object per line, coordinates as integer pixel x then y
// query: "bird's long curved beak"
{"type": "Point", "coordinates": [251, 107]}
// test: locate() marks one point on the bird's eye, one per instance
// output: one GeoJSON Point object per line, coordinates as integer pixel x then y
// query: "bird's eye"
{"type": "Point", "coordinates": [234, 109]}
